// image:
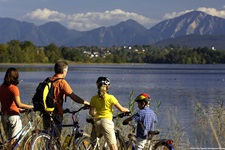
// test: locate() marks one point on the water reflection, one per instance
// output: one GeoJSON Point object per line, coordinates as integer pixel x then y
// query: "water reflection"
{"type": "Point", "coordinates": [26, 68]}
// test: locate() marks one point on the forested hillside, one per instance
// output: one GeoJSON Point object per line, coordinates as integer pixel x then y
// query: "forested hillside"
{"type": "Point", "coordinates": [26, 52]}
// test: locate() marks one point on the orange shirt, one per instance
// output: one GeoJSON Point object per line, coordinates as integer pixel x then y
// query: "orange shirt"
{"type": "Point", "coordinates": [62, 89]}
{"type": "Point", "coordinates": [7, 99]}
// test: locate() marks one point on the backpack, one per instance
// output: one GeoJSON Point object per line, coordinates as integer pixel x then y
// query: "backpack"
{"type": "Point", "coordinates": [43, 99]}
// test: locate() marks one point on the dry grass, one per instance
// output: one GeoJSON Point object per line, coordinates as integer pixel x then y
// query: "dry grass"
{"type": "Point", "coordinates": [211, 123]}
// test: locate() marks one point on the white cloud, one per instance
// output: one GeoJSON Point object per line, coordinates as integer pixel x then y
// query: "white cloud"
{"type": "Point", "coordinates": [213, 11]}
{"type": "Point", "coordinates": [88, 20]}
{"type": "Point", "coordinates": [175, 14]}
{"type": "Point", "coordinates": [210, 11]}
{"type": "Point", "coordinates": [92, 20]}
{"type": "Point", "coordinates": [45, 15]}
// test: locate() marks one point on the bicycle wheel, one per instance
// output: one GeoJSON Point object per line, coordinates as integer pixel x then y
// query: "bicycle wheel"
{"type": "Point", "coordinates": [120, 143]}
{"type": "Point", "coordinates": [130, 145]}
{"type": "Point", "coordinates": [43, 141]}
{"type": "Point", "coordinates": [27, 142]}
{"type": "Point", "coordinates": [84, 143]}
{"type": "Point", "coordinates": [71, 145]}
{"type": "Point", "coordinates": [162, 146]}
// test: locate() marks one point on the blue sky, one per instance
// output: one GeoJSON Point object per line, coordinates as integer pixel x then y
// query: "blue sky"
{"type": "Point", "coordinates": [85, 15]}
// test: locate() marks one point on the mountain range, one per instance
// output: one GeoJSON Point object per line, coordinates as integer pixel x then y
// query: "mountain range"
{"type": "Point", "coordinates": [194, 29]}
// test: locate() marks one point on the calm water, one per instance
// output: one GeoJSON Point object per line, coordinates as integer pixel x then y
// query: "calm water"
{"type": "Point", "coordinates": [177, 87]}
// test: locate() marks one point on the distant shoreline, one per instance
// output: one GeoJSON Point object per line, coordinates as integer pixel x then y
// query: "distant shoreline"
{"type": "Point", "coordinates": [70, 63]}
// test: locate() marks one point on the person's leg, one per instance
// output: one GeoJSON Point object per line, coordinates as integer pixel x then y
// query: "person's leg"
{"type": "Point", "coordinates": [58, 119]}
{"type": "Point", "coordinates": [6, 126]}
{"type": "Point", "coordinates": [96, 130]}
{"type": "Point", "coordinates": [15, 124]}
{"type": "Point", "coordinates": [109, 133]}
{"type": "Point", "coordinates": [140, 144]}
{"type": "Point", "coordinates": [113, 147]}
{"type": "Point", "coordinates": [46, 122]}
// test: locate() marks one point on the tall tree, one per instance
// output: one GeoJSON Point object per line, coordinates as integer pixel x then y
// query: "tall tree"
{"type": "Point", "coordinates": [4, 56]}
{"type": "Point", "coordinates": [53, 53]}
{"type": "Point", "coordinates": [15, 52]}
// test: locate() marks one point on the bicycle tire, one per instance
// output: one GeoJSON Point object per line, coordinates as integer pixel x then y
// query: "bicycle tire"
{"type": "Point", "coordinates": [162, 146]}
{"type": "Point", "coordinates": [43, 141]}
{"type": "Point", "coordinates": [130, 145]}
{"type": "Point", "coordinates": [27, 143]}
{"type": "Point", "coordinates": [71, 145]}
{"type": "Point", "coordinates": [84, 143]}
{"type": "Point", "coordinates": [121, 145]}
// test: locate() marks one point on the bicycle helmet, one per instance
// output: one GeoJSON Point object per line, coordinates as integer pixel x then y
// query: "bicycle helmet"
{"type": "Point", "coordinates": [103, 81]}
{"type": "Point", "coordinates": [143, 97]}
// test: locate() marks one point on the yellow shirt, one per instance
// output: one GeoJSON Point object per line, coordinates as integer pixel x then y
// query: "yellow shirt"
{"type": "Point", "coordinates": [104, 107]}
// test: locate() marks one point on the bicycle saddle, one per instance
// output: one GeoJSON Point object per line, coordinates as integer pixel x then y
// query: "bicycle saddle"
{"type": "Point", "coordinates": [153, 132]}
{"type": "Point", "coordinates": [90, 120]}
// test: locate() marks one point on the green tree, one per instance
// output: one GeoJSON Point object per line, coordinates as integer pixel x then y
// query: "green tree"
{"type": "Point", "coordinates": [4, 56]}
{"type": "Point", "coordinates": [15, 52]}
{"type": "Point", "coordinates": [29, 49]}
{"type": "Point", "coordinates": [40, 56]}
{"type": "Point", "coordinates": [53, 53]}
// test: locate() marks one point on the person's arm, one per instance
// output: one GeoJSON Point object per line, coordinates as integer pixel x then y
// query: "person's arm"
{"type": "Point", "coordinates": [77, 99]}
{"type": "Point", "coordinates": [92, 111]}
{"type": "Point", "coordinates": [121, 108]}
{"type": "Point", "coordinates": [127, 120]}
{"type": "Point", "coordinates": [19, 104]}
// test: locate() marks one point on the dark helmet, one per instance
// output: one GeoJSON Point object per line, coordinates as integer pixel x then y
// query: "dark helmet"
{"type": "Point", "coordinates": [103, 81]}
{"type": "Point", "coordinates": [143, 97]}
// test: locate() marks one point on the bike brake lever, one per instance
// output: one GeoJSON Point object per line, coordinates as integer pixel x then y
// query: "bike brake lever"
{"type": "Point", "coordinates": [86, 106]}
{"type": "Point", "coordinates": [66, 110]}
{"type": "Point", "coordinates": [125, 123]}
{"type": "Point", "coordinates": [124, 114]}
{"type": "Point", "coordinates": [127, 113]}
{"type": "Point", "coordinates": [90, 120]}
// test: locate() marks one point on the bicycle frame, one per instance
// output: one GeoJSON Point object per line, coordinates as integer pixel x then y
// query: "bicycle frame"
{"type": "Point", "coordinates": [53, 131]}
{"type": "Point", "coordinates": [23, 132]}
{"type": "Point", "coordinates": [76, 130]}
{"type": "Point", "coordinates": [151, 144]}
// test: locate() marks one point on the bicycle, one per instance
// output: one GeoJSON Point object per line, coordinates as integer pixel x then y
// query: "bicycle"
{"type": "Point", "coordinates": [85, 142]}
{"type": "Point", "coordinates": [6, 144]}
{"type": "Point", "coordinates": [47, 139]}
{"type": "Point", "coordinates": [152, 143]}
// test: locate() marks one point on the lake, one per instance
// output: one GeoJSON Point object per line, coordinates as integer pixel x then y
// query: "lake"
{"type": "Point", "coordinates": [177, 87]}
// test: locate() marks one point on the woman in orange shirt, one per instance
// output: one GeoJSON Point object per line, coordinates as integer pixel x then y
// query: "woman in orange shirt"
{"type": "Point", "coordinates": [11, 104]}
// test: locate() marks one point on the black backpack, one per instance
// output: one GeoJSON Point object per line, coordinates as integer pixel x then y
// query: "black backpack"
{"type": "Point", "coordinates": [43, 99]}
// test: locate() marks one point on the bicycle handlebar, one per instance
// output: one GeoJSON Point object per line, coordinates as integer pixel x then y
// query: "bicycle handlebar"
{"type": "Point", "coordinates": [121, 115]}
{"type": "Point", "coordinates": [67, 110]}
{"type": "Point", "coordinates": [26, 110]}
